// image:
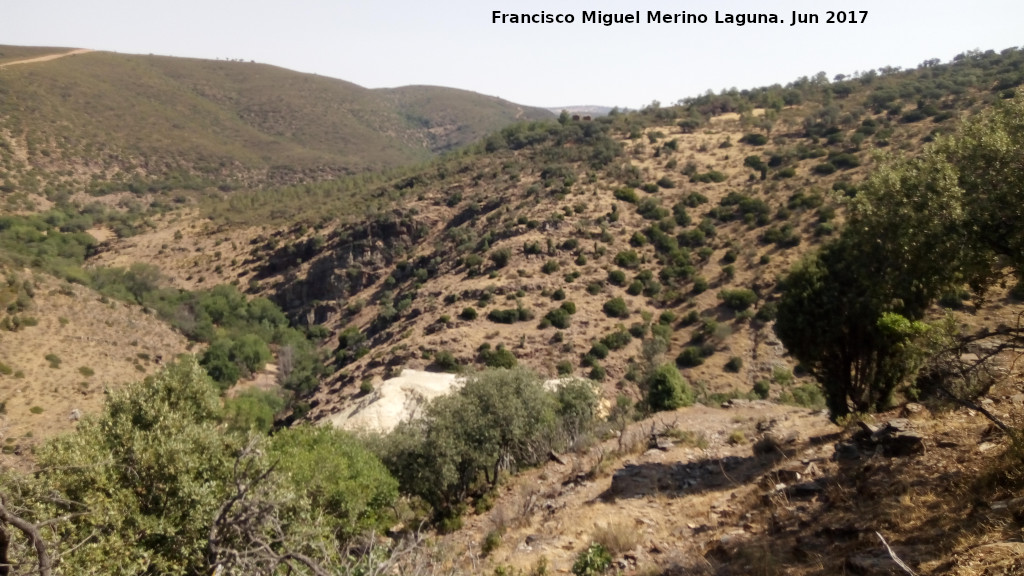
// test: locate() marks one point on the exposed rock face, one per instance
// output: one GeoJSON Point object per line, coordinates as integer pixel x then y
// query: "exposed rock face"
{"type": "Point", "coordinates": [395, 400]}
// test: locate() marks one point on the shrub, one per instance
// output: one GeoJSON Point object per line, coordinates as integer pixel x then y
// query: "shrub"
{"type": "Point", "coordinates": [550, 267]}
{"type": "Point", "coordinates": [468, 313]}
{"type": "Point", "coordinates": [597, 373]}
{"type": "Point", "coordinates": [86, 371]}
{"type": "Point", "coordinates": [734, 364]}
{"type": "Point", "coordinates": [616, 277]}
{"type": "Point", "coordinates": [599, 350]}
{"type": "Point", "coordinates": [690, 356]}
{"type": "Point", "coordinates": [500, 357]}
{"type": "Point", "coordinates": [253, 409]}
{"type": "Point", "coordinates": [559, 318]}
{"type": "Point", "coordinates": [5, 369]}
{"type": "Point", "coordinates": [53, 359]}
{"type": "Point", "coordinates": [500, 257]}
{"type": "Point", "coordinates": [446, 361]}
{"type": "Point", "coordinates": [569, 306]}
{"type": "Point", "coordinates": [666, 182]}
{"type": "Point", "coordinates": [509, 315]}
{"type": "Point", "coordinates": [667, 389]}
{"type": "Point", "coordinates": [626, 195]}
{"type": "Point", "coordinates": [593, 561]}
{"type": "Point", "coordinates": [627, 259]}
{"type": "Point", "coordinates": [754, 139]}
{"type": "Point", "coordinates": [738, 299]}
{"type": "Point", "coordinates": [616, 308]}
{"type": "Point", "coordinates": [762, 388]}
{"type": "Point", "coordinates": [564, 368]}
{"type": "Point", "coordinates": [558, 294]}
{"type": "Point", "coordinates": [617, 340]}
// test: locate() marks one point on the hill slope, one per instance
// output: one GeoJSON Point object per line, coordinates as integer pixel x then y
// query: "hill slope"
{"type": "Point", "coordinates": [107, 116]}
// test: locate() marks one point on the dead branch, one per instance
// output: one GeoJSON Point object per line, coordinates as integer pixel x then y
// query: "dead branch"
{"type": "Point", "coordinates": [31, 533]}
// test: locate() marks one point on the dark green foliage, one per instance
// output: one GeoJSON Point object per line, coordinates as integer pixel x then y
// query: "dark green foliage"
{"type": "Point", "coordinates": [468, 313]}
{"type": "Point", "coordinates": [754, 139]}
{"type": "Point", "coordinates": [762, 388]}
{"type": "Point", "coordinates": [734, 364]}
{"type": "Point", "coordinates": [599, 350]}
{"type": "Point", "coordinates": [617, 340]}
{"type": "Point", "coordinates": [690, 356]}
{"type": "Point", "coordinates": [550, 267]}
{"type": "Point", "coordinates": [616, 308]}
{"type": "Point", "coordinates": [666, 182]}
{"type": "Point", "coordinates": [253, 409]}
{"type": "Point", "coordinates": [597, 372]}
{"type": "Point", "coordinates": [499, 357]}
{"type": "Point", "coordinates": [569, 306]}
{"type": "Point", "coordinates": [593, 561]}
{"type": "Point", "coordinates": [500, 257]}
{"type": "Point", "coordinates": [627, 195]}
{"type": "Point", "coordinates": [666, 389]}
{"type": "Point", "coordinates": [627, 259]}
{"type": "Point", "coordinates": [445, 361]}
{"type": "Point", "coordinates": [509, 315]}
{"type": "Point", "coordinates": [738, 299]}
{"type": "Point", "coordinates": [559, 318]}
{"type": "Point", "coordinates": [497, 415]}
{"type": "Point", "coordinates": [617, 277]}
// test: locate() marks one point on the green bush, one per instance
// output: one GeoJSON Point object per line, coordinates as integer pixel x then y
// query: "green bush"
{"type": "Point", "coordinates": [446, 361]}
{"type": "Point", "coordinates": [616, 277]}
{"type": "Point", "coordinates": [569, 306]}
{"type": "Point", "coordinates": [617, 340]}
{"type": "Point", "coordinates": [500, 257]}
{"type": "Point", "coordinates": [762, 388]}
{"type": "Point", "coordinates": [559, 318]}
{"type": "Point", "coordinates": [564, 368]}
{"type": "Point", "coordinates": [53, 359]}
{"type": "Point", "coordinates": [754, 139]}
{"type": "Point", "coordinates": [738, 299]}
{"type": "Point", "coordinates": [690, 356]}
{"type": "Point", "coordinates": [597, 373]}
{"type": "Point", "coordinates": [468, 313]}
{"type": "Point", "coordinates": [667, 389]}
{"type": "Point", "coordinates": [616, 308]}
{"type": "Point", "coordinates": [499, 357]}
{"type": "Point", "coordinates": [627, 259]}
{"type": "Point", "coordinates": [252, 409]}
{"type": "Point", "coordinates": [735, 364]}
{"type": "Point", "coordinates": [550, 267]}
{"type": "Point", "coordinates": [593, 561]}
{"type": "Point", "coordinates": [86, 371]}
{"type": "Point", "coordinates": [509, 315]}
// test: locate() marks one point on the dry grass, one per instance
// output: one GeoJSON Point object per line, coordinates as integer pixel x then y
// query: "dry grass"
{"type": "Point", "coordinates": [617, 537]}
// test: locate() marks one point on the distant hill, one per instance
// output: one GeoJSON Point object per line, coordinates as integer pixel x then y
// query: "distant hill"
{"type": "Point", "coordinates": [105, 115]}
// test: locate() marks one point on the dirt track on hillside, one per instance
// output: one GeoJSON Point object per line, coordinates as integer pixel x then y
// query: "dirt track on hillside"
{"type": "Point", "coordinates": [46, 58]}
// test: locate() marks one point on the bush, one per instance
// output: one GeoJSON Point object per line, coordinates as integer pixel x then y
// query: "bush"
{"type": "Point", "coordinates": [739, 299]}
{"type": "Point", "coordinates": [599, 350]}
{"type": "Point", "coordinates": [446, 361]}
{"type": "Point", "coordinates": [253, 409]}
{"type": "Point", "coordinates": [667, 389]}
{"type": "Point", "coordinates": [500, 357]}
{"type": "Point", "coordinates": [627, 259]}
{"type": "Point", "coordinates": [734, 364]}
{"type": "Point", "coordinates": [500, 257]}
{"type": "Point", "coordinates": [569, 306]}
{"type": "Point", "coordinates": [550, 267]}
{"type": "Point", "coordinates": [616, 308]}
{"type": "Point", "coordinates": [509, 315]}
{"type": "Point", "coordinates": [593, 561]}
{"type": "Point", "coordinates": [617, 340]}
{"type": "Point", "coordinates": [597, 373]}
{"type": "Point", "coordinates": [617, 277]}
{"type": "Point", "coordinates": [86, 371]}
{"type": "Point", "coordinates": [53, 359]}
{"type": "Point", "coordinates": [754, 139]}
{"type": "Point", "coordinates": [762, 388]}
{"type": "Point", "coordinates": [564, 367]}
{"type": "Point", "coordinates": [690, 356]}
{"type": "Point", "coordinates": [468, 313]}
{"type": "Point", "coordinates": [559, 318]}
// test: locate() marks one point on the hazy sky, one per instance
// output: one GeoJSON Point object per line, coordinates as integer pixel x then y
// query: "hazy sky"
{"type": "Point", "coordinates": [398, 42]}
